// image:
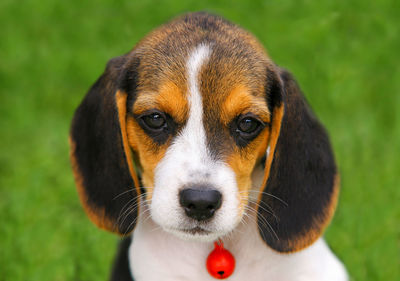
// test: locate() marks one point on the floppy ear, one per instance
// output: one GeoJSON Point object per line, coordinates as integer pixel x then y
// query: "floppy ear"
{"type": "Point", "coordinates": [100, 155]}
{"type": "Point", "coordinates": [301, 184]}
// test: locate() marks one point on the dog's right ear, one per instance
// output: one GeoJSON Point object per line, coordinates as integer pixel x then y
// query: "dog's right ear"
{"type": "Point", "coordinates": [101, 158]}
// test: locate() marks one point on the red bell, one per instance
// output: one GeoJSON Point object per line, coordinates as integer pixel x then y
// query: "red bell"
{"type": "Point", "coordinates": [220, 262]}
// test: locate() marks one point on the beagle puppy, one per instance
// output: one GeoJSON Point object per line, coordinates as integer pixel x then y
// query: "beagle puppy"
{"type": "Point", "coordinates": [196, 136]}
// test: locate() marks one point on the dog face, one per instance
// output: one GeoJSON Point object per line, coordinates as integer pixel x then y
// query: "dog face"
{"type": "Point", "coordinates": [200, 105]}
{"type": "Point", "coordinates": [199, 125]}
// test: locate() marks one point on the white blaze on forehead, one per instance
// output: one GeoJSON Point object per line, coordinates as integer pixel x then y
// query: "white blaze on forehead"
{"type": "Point", "coordinates": [194, 127]}
{"type": "Point", "coordinates": [187, 162]}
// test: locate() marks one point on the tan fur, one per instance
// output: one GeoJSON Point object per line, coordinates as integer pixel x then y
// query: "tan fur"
{"type": "Point", "coordinates": [243, 162]}
{"type": "Point", "coordinates": [273, 139]}
{"type": "Point", "coordinates": [98, 216]}
{"type": "Point", "coordinates": [240, 101]}
{"type": "Point", "coordinates": [169, 99]}
{"type": "Point", "coordinates": [150, 154]}
{"type": "Point", "coordinates": [121, 106]}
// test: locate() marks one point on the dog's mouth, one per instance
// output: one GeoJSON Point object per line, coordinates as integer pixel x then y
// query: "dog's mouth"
{"type": "Point", "coordinates": [196, 231]}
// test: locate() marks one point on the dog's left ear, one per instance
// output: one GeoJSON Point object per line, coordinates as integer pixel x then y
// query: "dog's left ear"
{"type": "Point", "coordinates": [101, 157]}
{"type": "Point", "coordinates": [300, 187]}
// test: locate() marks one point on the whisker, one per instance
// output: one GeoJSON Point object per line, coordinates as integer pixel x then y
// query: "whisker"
{"type": "Point", "coordinates": [267, 193]}
{"type": "Point", "coordinates": [255, 218]}
{"type": "Point", "coordinates": [124, 192]}
{"type": "Point", "coordinates": [137, 199]}
{"type": "Point", "coordinates": [264, 222]}
{"type": "Point", "coordinates": [132, 223]}
{"type": "Point", "coordinates": [131, 189]}
{"type": "Point", "coordinates": [146, 215]}
{"type": "Point", "coordinates": [125, 207]}
{"type": "Point", "coordinates": [269, 210]}
{"type": "Point", "coordinates": [136, 219]}
{"type": "Point", "coordinates": [155, 228]}
{"type": "Point", "coordinates": [244, 219]}
{"type": "Point", "coordinates": [130, 209]}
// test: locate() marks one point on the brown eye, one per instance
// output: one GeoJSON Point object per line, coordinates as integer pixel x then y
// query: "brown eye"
{"type": "Point", "coordinates": [154, 121]}
{"type": "Point", "coordinates": [159, 126]}
{"type": "Point", "coordinates": [248, 125]}
{"type": "Point", "coordinates": [246, 128]}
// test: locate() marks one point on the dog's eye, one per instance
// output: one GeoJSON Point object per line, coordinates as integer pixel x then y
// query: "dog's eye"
{"type": "Point", "coordinates": [248, 125]}
{"type": "Point", "coordinates": [154, 120]}
{"type": "Point", "coordinates": [245, 128]}
{"type": "Point", "coordinates": [157, 125]}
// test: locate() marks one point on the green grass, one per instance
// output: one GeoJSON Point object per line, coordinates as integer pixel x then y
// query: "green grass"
{"type": "Point", "coordinates": [344, 54]}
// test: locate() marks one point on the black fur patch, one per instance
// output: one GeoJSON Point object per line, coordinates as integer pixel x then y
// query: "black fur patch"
{"type": "Point", "coordinates": [128, 81]}
{"type": "Point", "coordinates": [121, 268]}
{"type": "Point", "coordinates": [273, 90]}
{"type": "Point", "coordinates": [301, 176]}
{"type": "Point", "coordinates": [217, 134]}
{"type": "Point", "coordinates": [99, 151]}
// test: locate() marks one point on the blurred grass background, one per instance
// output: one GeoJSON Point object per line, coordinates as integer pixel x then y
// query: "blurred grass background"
{"type": "Point", "coordinates": [344, 54]}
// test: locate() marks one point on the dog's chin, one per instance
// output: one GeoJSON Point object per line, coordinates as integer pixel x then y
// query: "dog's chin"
{"type": "Point", "coordinates": [196, 234]}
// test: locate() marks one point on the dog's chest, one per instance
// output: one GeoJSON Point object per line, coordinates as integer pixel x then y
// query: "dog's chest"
{"type": "Point", "coordinates": [155, 254]}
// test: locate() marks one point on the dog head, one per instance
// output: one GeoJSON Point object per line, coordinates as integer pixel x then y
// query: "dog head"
{"type": "Point", "coordinates": [194, 109]}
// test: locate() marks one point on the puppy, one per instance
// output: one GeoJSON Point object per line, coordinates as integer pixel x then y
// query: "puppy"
{"type": "Point", "coordinates": [196, 136]}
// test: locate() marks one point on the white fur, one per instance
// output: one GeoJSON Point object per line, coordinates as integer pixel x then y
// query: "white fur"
{"type": "Point", "coordinates": [187, 162]}
{"type": "Point", "coordinates": [157, 255]}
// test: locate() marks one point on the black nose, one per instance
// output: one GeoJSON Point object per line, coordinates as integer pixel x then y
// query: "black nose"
{"type": "Point", "coordinates": [200, 204]}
